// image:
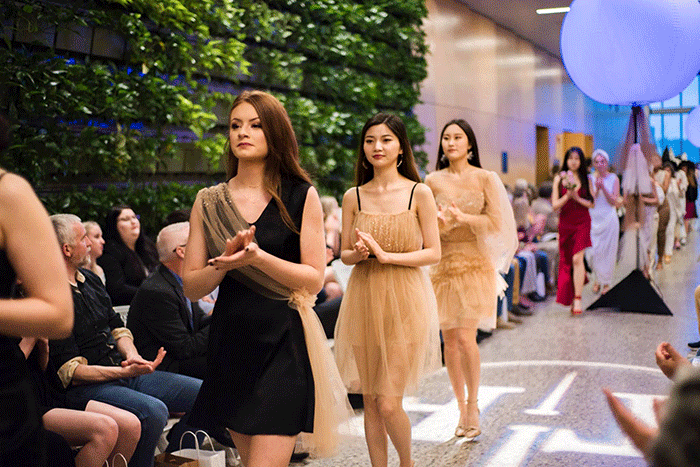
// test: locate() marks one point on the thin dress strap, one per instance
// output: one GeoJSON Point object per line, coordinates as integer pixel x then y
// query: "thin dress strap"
{"type": "Point", "coordinates": [359, 206]}
{"type": "Point", "coordinates": [411, 198]}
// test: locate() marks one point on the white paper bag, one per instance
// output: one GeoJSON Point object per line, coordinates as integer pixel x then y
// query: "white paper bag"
{"type": "Point", "coordinates": [206, 458]}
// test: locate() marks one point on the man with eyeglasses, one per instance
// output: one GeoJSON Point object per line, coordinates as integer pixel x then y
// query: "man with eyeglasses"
{"type": "Point", "coordinates": [161, 316]}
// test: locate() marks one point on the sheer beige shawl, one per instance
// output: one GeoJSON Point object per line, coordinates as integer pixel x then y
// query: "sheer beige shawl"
{"type": "Point", "coordinates": [221, 221]}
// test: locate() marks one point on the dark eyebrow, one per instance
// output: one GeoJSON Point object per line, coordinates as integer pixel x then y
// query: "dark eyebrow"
{"type": "Point", "coordinates": [234, 119]}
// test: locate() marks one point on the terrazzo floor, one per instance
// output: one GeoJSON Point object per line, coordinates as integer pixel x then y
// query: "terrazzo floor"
{"type": "Point", "coordinates": [540, 395]}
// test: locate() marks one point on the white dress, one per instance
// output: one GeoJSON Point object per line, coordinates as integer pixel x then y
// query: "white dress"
{"type": "Point", "coordinates": [605, 232]}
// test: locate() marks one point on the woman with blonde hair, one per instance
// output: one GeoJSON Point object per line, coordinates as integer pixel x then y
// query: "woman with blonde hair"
{"type": "Point", "coordinates": [605, 225]}
{"type": "Point", "coordinates": [97, 243]}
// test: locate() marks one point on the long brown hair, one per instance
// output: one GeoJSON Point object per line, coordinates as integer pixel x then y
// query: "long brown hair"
{"type": "Point", "coordinates": [364, 172]}
{"type": "Point", "coordinates": [282, 149]}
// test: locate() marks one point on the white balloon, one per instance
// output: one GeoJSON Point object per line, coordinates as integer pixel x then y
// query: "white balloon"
{"type": "Point", "coordinates": [631, 52]}
{"type": "Point", "coordinates": [692, 126]}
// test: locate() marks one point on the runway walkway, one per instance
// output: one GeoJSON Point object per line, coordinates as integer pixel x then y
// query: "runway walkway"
{"type": "Point", "coordinates": [540, 397]}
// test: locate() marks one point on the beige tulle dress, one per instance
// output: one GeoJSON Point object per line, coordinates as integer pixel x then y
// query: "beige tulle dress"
{"type": "Point", "coordinates": [387, 336]}
{"type": "Point", "coordinates": [467, 280]}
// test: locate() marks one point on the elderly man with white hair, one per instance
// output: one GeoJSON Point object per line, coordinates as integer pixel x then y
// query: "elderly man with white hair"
{"type": "Point", "coordinates": [161, 316]}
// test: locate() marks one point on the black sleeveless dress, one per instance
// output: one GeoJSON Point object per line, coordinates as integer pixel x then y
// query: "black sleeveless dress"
{"type": "Point", "coordinates": [22, 439]}
{"type": "Point", "coordinates": [259, 377]}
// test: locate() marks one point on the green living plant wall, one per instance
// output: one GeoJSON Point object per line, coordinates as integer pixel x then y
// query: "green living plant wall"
{"type": "Point", "coordinates": [86, 120]}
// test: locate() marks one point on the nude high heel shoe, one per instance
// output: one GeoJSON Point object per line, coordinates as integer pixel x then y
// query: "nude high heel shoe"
{"type": "Point", "coordinates": [464, 430]}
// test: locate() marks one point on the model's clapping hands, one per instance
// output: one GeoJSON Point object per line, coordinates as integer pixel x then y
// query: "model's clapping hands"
{"type": "Point", "coordinates": [241, 250]}
{"type": "Point", "coordinates": [373, 246]}
{"type": "Point", "coordinates": [457, 214]}
{"type": "Point", "coordinates": [360, 247]}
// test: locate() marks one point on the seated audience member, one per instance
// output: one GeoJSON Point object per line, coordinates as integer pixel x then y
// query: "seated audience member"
{"type": "Point", "coordinates": [161, 316]}
{"type": "Point", "coordinates": [521, 205]}
{"type": "Point", "coordinates": [542, 206]}
{"type": "Point", "coordinates": [331, 223]}
{"type": "Point", "coordinates": [696, 345]}
{"type": "Point", "coordinates": [178, 215]}
{"type": "Point", "coordinates": [675, 442]}
{"type": "Point", "coordinates": [546, 221]}
{"type": "Point", "coordinates": [207, 302]}
{"type": "Point", "coordinates": [97, 243]}
{"type": "Point", "coordinates": [128, 257]}
{"type": "Point", "coordinates": [99, 360]}
{"type": "Point", "coordinates": [101, 430]}
{"type": "Point", "coordinates": [329, 298]}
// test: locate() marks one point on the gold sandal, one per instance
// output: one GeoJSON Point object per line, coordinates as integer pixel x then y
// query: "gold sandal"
{"type": "Point", "coordinates": [469, 432]}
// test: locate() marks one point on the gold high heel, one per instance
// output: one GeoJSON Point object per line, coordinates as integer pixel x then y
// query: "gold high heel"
{"type": "Point", "coordinates": [464, 431]}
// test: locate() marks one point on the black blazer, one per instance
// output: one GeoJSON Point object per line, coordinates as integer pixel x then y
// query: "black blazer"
{"type": "Point", "coordinates": [158, 318]}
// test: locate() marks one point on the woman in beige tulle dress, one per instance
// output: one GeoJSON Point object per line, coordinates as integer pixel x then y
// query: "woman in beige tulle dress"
{"type": "Point", "coordinates": [477, 230]}
{"type": "Point", "coordinates": [386, 336]}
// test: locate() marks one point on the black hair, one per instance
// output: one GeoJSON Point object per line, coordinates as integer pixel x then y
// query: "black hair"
{"type": "Point", "coordinates": [443, 161]}
{"type": "Point", "coordinates": [582, 170]}
{"type": "Point", "coordinates": [145, 248]}
{"type": "Point", "coordinates": [364, 172]}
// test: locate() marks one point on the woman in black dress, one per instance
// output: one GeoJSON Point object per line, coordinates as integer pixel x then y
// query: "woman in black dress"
{"type": "Point", "coordinates": [28, 251]}
{"type": "Point", "coordinates": [128, 255]}
{"type": "Point", "coordinates": [260, 238]}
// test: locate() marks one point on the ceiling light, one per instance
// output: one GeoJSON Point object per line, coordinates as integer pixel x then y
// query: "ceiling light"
{"type": "Point", "coordinates": [551, 11]}
{"type": "Point", "coordinates": [554, 72]}
{"type": "Point", "coordinates": [517, 60]}
{"type": "Point", "coordinates": [478, 43]}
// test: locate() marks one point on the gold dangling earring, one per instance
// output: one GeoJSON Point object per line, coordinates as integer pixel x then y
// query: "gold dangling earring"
{"type": "Point", "coordinates": [364, 165]}
{"type": "Point", "coordinates": [470, 154]}
{"type": "Point", "coordinates": [400, 161]}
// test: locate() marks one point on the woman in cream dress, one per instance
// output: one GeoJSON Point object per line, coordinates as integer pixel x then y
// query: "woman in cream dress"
{"type": "Point", "coordinates": [478, 236]}
{"type": "Point", "coordinates": [386, 336]}
{"type": "Point", "coordinates": [605, 226]}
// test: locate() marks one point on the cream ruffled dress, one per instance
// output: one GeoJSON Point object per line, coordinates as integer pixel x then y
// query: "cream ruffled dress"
{"type": "Point", "coordinates": [466, 280]}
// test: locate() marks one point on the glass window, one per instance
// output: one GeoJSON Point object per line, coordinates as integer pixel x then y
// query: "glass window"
{"type": "Point", "coordinates": [690, 95]}
{"type": "Point", "coordinates": [672, 102]}
{"type": "Point", "coordinates": [672, 132]}
{"type": "Point", "coordinates": [656, 130]}
{"type": "Point", "coordinates": [688, 147]}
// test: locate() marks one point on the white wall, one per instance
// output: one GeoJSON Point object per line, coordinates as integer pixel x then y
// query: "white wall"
{"type": "Point", "coordinates": [504, 87]}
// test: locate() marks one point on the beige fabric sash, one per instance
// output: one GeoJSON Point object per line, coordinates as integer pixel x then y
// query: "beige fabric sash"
{"type": "Point", "coordinates": [222, 221]}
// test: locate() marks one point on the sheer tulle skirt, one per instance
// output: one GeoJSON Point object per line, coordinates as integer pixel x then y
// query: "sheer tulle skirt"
{"type": "Point", "coordinates": [387, 332]}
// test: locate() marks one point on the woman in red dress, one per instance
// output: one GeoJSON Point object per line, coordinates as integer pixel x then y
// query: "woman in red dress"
{"type": "Point", "coordinates": [572, 195]}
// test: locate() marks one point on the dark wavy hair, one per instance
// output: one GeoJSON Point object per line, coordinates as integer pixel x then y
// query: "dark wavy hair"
{"type": "Point", "coordinates": [582, 170]}
{"type": "Point", "coordinates": [364, 172]}
{"type": "Point", "coordinates": [145, 248]}
{"type": "Point", "coordinates": [442, 160]}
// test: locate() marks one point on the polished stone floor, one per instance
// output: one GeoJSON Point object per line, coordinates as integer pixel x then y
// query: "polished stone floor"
{"type": "Point", "coordinates": [540, 396]}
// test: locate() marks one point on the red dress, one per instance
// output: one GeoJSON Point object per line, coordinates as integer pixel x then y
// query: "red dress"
{"type": "Point", "coordinates": [574, 236]}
